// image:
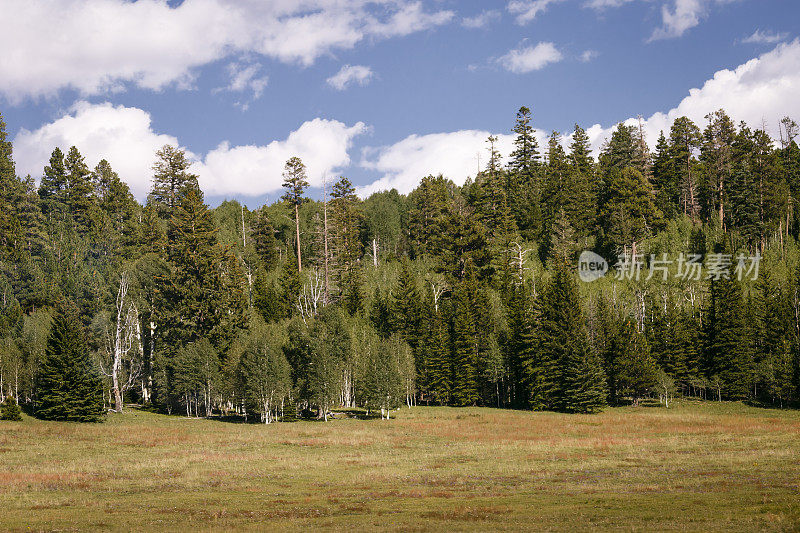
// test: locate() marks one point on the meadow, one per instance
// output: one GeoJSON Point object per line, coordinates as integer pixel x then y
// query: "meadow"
{"type": "Point", "coordinates": [695, 466]}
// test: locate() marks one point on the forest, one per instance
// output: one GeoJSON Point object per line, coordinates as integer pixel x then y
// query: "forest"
{"type": "Point", "coordinates": [451, 295]}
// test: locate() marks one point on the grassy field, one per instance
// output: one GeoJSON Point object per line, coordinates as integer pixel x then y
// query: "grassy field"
{"type": "Point", "coordinates": [696, 466]}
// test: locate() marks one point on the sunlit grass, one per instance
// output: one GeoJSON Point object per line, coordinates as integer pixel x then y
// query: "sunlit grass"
{"type": "Point", "coordinates": [696, 466]}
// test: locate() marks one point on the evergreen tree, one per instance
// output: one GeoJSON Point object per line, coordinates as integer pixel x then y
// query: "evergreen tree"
{"type": "Point", "coordinates": [629, 213]}
{"type": "Point", "coordinates": [205, 296]}
{"type": "Point", "coordinates": [465, 342]}
{"type": "Point", "coordinates": [80, 197]}
{"type": "Point", "coordinates": [684, 139]}
{"type": "Point", "coordinates": [565, 375]}
{"type": "Point", "coordinates": [523, 182]}
{"type": "Point", "coordinates": [9, 410]}
{"type": "Point", "coordinates": [171, 176]}
{"type": "Point", "coordinates": [68, 386]}
{"type": "Point", "coordinates": [295, 183]}
{"type": "Point", "coordinates": [635, 369]}
{"type": "Point", "coordinates": [727, 357]}
{"type": "Point", "coordinates": [53, 187]}
{"type": "Point", "coordinates": [265, 243]}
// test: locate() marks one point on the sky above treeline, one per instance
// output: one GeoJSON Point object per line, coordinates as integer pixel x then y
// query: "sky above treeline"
{"type": "Point", "coordinates": [381, 91]}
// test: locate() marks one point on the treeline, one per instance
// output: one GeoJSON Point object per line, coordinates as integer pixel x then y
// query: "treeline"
{"type": "Point", "coordinates": [451, 295]}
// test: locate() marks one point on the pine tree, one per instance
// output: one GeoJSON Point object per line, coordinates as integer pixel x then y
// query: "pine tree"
{"type": "Point", "coordinates": [629, 213]}
{"type": "Point", "coordinates": [205, 296]}
{"type": "Point", "coordinates": [68, 386]}
{"type": "Point", "coordinates": [727, 357]}
{"type": "Point", "coordinates": [295, 183]}
{"type": "Point", "coordinates": [665, 180]}
{"type": "Point", "coordinates": [465, 342]}
{"type": "Point", "coordinates": [170, 178]}
{"type": "Point", "coordinates": [53, 187]}
{"type": "Point", "coordinates": [524, 187]}
{"type": "Point", "coordinates": [80, 197]}
{"type": "Point", "coordinates": [684, 138]}
{"type": "Point", "coordinates": [717, 156]}
{"type": "Point", "coordinates": [565, 375]}
{"type": "Point", "coordinates": [440, 381]}
{"type": "Point", "coordinates": [9, 410]}
{"type": "Point", "coordinates": [635, 369]}
{"type": "Point", "coordinates": [265, 243]}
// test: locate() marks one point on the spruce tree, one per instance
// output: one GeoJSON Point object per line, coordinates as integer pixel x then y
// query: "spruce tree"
{"type": "Point", "coordinates": [170, 176]}
{"type": "Point", "coordinates": [565, 374]}
{"type": "Point", "coordinates": [465, 342]}
{"type": "Point", "coordinates": [68, 385]}
{"type": "Point", "coordinates": [9, 410]}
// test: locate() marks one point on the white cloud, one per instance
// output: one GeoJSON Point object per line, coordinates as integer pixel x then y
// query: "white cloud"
{"type": "Point", "coordinates": [101, 45]}
{"type": "Point", "coordinates": [124, 136]}
{"type": "Point", "coordinates": [529, 58]}
{"type": "Point", "coordinates": [684, 15]}
{"type": "Point", "coordinates": [349, 74]}
{"type": "Point", "coordinates": [527, 10]}
{"type": "Point", "coordinates": [480, 20]}
{"type": "Point", "coordinates": [244, 77]}
{"type": "Point", "coordinates": [589, 55]}
{"type": "Point", "coordinates": [121, 135]}
{"type": "Point", "coordinates": [604, 4]}
{"type": "Point", "coordinates": [763, 89]}
{"type": "Point", "coordinates": [456, 155]}
{"type": "Point", "coordinates": [765, 37]}
{"type": "Point", "coordinates": [256, 170]}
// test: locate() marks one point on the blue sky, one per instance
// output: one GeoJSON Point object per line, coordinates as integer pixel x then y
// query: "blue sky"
{"type": "Point", "coordinates": [430, 79]}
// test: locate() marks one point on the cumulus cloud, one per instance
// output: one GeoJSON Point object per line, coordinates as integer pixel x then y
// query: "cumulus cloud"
{"type": "Point", "coordinates": [349, 74]}
{"type": "Point", "coordinates": [322, 144]}
{"type": "Point", "coordinates": [456, 155]}
{"type": "Point", "coordinates": [101, 45]}
{"type": "Point", "coordinates": [481, 20]}
{"type": "Point", "coordinates": [763, 89]}
{"type": "Point", "coordinates": [765, 37]}
{"type": "Point", "coordinates": [529, 58]}
{"type": "Point", "coordinates": [124, 136]}
{"type": "Point", "coordinates": [527, 10]}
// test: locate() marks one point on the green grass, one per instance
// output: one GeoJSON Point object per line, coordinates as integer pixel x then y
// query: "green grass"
{"type": "Point", "coordinates": [697, 466]}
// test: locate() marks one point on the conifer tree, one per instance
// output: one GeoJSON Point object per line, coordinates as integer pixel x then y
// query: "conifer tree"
{"type": "Point", "coordinates": [295, 183]}
{"type": "Point", "coordinates": [205, 296]}
{"type": "Point", "coordinates": [265, 243]}
{"type": "Point", "coordinates": [9, 409]}
{"type": "Point", "coordinates": [684, 138]}
{"type": "Point", "coordinates": [727, 357]}
{"type": "Point", "coordinates": [68, 386]}
{"type": "Point", "coordinates": [523, 182]}
{"type": "Point", "coordinates": [53, 187]}
{"type": "Point", "coordinates": [465, 341]}
{"type": "Point", "coordinates": [170, 177]}
{"type": "Point", "coordinates": [565, 375]}
{"type": "Point", "coordinates": [80, 198]}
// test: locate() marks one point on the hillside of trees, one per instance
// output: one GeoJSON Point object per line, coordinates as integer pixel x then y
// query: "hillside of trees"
{"type": "Point", "coordinates": [450, 295]}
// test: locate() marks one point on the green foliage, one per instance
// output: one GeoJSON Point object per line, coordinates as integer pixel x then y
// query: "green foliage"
{"type": "Point", "coordinates": [68, 385]}
{"type": "Point", "coordinates": [9, 409]}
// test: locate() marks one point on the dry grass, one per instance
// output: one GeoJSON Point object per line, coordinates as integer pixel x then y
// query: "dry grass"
{"type": "Point", "coordinates": [696, 466]}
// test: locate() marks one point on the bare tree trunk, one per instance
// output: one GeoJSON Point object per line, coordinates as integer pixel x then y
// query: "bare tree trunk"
{"type": "Point", "coordinates": [375, 253]}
